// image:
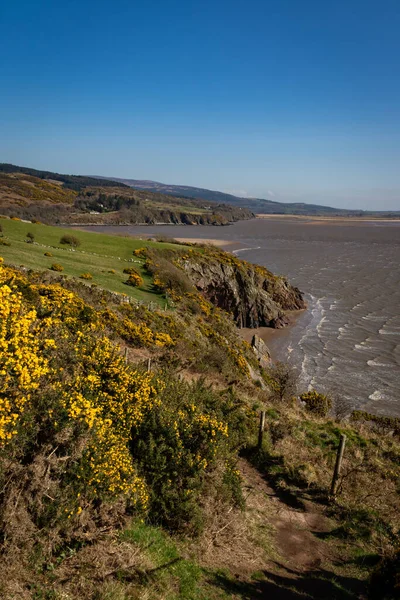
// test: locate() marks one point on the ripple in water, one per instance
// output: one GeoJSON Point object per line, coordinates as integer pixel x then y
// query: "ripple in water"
{"type": "Point", "coordinates": [348, 342]}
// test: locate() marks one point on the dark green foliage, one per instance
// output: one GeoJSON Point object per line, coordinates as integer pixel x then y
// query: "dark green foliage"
{"type": "Point", "coordinates": [181, 450]}
{"type": "Point", "coordinates": [316, 403]}
{"type": "Point", "coordinates": [70, 240]}
{"type": "Point", "coordinates": [30, 238]}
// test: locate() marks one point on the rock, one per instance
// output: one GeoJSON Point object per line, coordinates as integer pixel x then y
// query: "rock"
{"type": "Point", "coordinates": [254, 296]}
{"type": "Point", "coordinates": [261, 350]}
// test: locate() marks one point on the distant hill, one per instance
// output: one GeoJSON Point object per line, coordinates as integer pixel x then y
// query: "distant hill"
{"type": "Point", "coordinates": [56, 199]}
{"type": "Point", "coordinates": [256, 205]}
{"type": "Point", "coordinates": [72, 182]}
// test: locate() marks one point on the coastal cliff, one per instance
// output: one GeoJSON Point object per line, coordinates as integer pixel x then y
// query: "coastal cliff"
{"type": "Point", "coordinates": [129, 431]}
{"type": "Point", "coordinates": [252, 294]}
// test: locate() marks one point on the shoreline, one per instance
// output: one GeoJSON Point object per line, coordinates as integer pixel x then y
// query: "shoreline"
{"type": "Point", "coordinates": [214, 242]}
{"type": "Point", "coordinates": [270, 334]}
{"type": "Point", "coordinates": [335, 220]}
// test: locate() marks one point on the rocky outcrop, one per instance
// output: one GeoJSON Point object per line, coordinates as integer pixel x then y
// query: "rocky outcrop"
{"type": "Point", "coordinates": [253, 295]}
{"type": "Point", "coordinates": [261, 351]}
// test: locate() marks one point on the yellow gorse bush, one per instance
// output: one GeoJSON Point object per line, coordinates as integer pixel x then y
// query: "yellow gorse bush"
{"type": "Point", "coordinates": [22, 364]}
{"type": "Point", "coordinates": [99, 396]}
{"type": "Point", "coordinates": [105, 397]}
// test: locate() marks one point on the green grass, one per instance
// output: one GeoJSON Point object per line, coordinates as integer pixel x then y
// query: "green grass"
{"type": "Point", "coordinates": [97, 254]}
{"type": "Point", "coordinates": [177, 577]}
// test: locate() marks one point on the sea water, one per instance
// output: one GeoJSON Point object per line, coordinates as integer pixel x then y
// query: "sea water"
{"type": "Point", "coordinates": [348, 341]}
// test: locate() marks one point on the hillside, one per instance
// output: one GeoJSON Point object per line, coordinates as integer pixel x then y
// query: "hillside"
{"type": "Point", "coordinates": [62, 199]}
{"type": "Point", "coordinates": [256, 205]}
{"type": "Point", "coordinates": [130, 461]}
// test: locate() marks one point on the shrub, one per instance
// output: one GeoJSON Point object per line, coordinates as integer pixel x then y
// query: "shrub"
{"type": "Point", "coordinates": [4, 242]}
{"type": "Point", "coordinates": [86, 276]}
{"type": "Point", "coordinates": [112, 271]}
{"type": "Point", "coordinates": [56, 267]}
{"type": "Point", "coordinates": [30, 238]}
{"type": "Point", "coordinates": [15, 218]}
{"type": "Point", "coordinates": [48, 254]}
{"type": "Point", "coordinates": [70, 240]}
{"type": "Point", "coordinates": [134, 280]}
{"type": "Point", "coordinates": [316, 403]}
{"type": "Point", "coordinates": [180, 444]}
{"type": "Point", "coordinates": [282, 381]}
{"type": "Point", "coordinates": [130, 270]}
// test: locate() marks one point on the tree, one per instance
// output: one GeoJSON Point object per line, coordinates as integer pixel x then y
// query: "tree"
{"type": "Point", "coordinates": [30, 238]}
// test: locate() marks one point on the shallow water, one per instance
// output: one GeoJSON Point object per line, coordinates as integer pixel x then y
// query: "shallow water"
{"type": "Point", "coordinates": [348, 342]}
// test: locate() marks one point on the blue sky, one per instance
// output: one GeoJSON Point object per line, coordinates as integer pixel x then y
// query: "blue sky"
{"type": "Point", "coordinates": [295, 101]}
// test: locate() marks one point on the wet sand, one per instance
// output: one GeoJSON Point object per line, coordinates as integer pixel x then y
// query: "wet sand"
{"type": "Point", "coordinates": [220, 243]}
{"type": "Point", "coordinates": [277, 340]}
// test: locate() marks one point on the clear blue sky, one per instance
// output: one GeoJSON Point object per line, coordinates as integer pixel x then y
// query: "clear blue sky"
{"type": "Point", "coordinates": [287, 99]}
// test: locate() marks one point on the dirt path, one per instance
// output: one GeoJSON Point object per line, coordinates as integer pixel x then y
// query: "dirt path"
{"type": "Point", "coordinates": [291, 560]}
{"type": "Point", "coordinates": [295, 527]}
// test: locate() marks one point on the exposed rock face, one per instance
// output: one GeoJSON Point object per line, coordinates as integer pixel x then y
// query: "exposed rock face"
{"type": "Point", "coordinates": [261, 351]}
{"type": "Point", "coordinates": [253, 295]}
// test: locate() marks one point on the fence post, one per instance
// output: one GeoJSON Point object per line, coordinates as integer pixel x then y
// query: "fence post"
{"type": "Point", "coordinates": [126, 354]}
{"type": "Point", "coordinates": [149, 364]}
{"type": "Point", "coordinates": [338, 465]}
{"type": "Point", "coordinates": [261, 429]}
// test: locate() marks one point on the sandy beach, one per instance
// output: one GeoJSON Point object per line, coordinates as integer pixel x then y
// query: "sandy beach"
{"type": "Point", "coordinates": [274, 338]}
{"type": "Point", "coordinates": [225, 243]}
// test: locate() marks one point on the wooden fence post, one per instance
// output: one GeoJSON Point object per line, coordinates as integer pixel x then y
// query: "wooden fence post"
{"type": "Point", "coordinates": [338, 465]}
{"type": "Point", "coordinates": [126, 354]}
{"type": "Point", "coordinates": [149, 364]}
{"type": "Point", "coordinates": [261, 429]}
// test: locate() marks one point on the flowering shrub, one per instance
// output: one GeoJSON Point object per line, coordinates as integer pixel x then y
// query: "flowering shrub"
{"type": "Point", "coordinates": [134, 279]}
{"type": "Point", "coordinates": [86, 276]}
{"type": "Point", "coordinates": [48, 254]}
{"type": "Point", "coordinates": [130, 271]}
{"type": "Point", "coordinates": [179, 445]}
{"type": "Point", "coordinates": [22, 364]}
{"type": "Point", "coordinates": [113, 432]}
{"type": "Point", "coordinates": [317, 403]}
{"type": "Point", "coordinates": [56, 267]}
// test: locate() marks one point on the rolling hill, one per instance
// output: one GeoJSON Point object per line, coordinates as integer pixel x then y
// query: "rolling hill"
{"type": "Point", "coordinates": [256, 205]}
{"type": "Point", "coordinates": [57, 199]}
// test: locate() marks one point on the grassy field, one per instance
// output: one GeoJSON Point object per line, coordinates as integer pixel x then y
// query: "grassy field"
{"type": "Point", "coordinates": [98, 254]}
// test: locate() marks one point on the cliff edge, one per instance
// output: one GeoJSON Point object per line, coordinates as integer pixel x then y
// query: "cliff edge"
{"type": "Point", "coordinates": [252, 294]}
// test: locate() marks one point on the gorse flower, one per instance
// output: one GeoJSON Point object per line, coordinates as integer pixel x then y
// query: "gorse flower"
{"type": "Point", "coordinates": [22, 364]}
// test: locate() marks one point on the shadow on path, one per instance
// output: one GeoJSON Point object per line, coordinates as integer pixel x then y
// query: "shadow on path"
{"type": "Point", "coordinates": [293, 585]}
